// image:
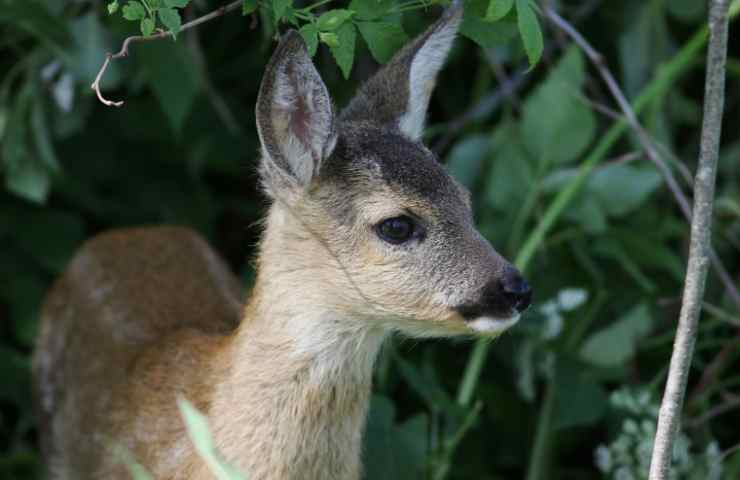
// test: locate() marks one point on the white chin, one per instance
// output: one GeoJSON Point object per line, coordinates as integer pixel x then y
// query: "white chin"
{"type": "Point", "coordinates": [492, 325]}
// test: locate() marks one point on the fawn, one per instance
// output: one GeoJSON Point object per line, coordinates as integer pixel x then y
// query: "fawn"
{"type": "Point", "coordinates": [366, 234]}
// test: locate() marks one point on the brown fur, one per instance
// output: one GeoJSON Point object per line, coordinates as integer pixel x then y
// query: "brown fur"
{"type": "Point", "coordinates": [142, 316]}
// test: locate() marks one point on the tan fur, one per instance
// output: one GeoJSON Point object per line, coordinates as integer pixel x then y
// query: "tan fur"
{"type": "Point", "coordinates": [143, 316]}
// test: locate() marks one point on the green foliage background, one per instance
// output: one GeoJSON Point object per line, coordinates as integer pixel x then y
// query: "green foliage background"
{"type": "Point", "coordinates": [585, 366]}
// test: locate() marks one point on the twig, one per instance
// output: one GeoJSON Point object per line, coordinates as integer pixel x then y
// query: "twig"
{"type": "Point", "coordinates": [645, 141]}
{"type": "Point", "coordinates": [109, 57]}
{"type": "Point", "coordinates": [701, 227]}
{"type": "Point", "coordinates": [714, 369]}
{"type": "Point", "coordinates": [714, 412]}
{"type": "Point", "coordinates": [729, 452]}
{"type": "Point", "coordinates": [482, 108]}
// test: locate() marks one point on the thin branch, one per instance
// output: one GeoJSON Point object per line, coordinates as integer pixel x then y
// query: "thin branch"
{"type": "Point", "coordinates": [699, 251]}
{"type": "Point", "coordinates": [109, 57]}
{"type": "Point", "coordinates": [645, 141]}
{"type": "Point", "coordinates": [482, 108]}
{"type": "Point", "coordinates": [729, 452]}
{"type": "Point", "coordinates": [728, 406]}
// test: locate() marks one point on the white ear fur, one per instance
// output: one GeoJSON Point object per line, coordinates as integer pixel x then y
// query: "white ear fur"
{"type": "Point", "coordinates": [426, 63]}
{"type": "Point", "coordinates": [295, 116]}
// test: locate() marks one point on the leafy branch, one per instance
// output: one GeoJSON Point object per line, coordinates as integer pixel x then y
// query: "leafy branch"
{"type": "Point", "coordinates": [134, 13]}
{"type": "Point", "coordinates": [378, 22]}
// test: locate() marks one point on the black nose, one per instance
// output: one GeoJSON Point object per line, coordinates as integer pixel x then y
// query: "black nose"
{"type": "Point", "coordinates": [516, 290]}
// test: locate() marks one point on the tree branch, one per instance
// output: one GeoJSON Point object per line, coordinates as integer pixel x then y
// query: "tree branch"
{"type": "Point", "coordinates": [109, 57]}
{"type": "Point", "coordinates": [645, 141]}
{"type": "Point", "coordinates": [699, 254]}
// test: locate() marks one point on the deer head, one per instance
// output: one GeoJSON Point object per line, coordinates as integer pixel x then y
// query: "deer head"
{"type": "Point", "coordinates": [364, 212]}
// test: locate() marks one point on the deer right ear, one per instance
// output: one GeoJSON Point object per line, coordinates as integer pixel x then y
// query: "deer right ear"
{"type": "Point", "coordinates": [295, 117]}
{"type": "Point", "coordinates": [398, 95]}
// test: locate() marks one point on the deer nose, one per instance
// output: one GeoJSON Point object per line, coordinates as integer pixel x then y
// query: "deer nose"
{"type": "Point", "coordinates": [516, 290]}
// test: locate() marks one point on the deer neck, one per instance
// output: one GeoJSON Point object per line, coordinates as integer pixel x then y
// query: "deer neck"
{"type": "Point", "coordinates": [294, 401]}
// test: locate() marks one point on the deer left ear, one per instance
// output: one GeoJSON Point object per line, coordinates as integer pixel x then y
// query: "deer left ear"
{"type": "Point", "coordinates": [295, 117]}
{"type": "Point", "coordinates": [398, 95]}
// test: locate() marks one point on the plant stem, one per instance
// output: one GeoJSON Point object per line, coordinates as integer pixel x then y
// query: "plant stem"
{"type": "Point", "coordinates": [315, 5]}
{"type": "Point", "coordinates": [701, 233]}
{"type": "Point", "coordinates": [539, 453]}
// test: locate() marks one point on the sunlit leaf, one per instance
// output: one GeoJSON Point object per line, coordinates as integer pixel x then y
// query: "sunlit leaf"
{"type": "Point", "coordinates": [344, 52]}
{"type": "Point", "coordinates": [134, 11]}
{"type": "Point", "coordinates": [498, 9]}
{"type": "Point", "coordinates": [530, 31]}
{"type": "Point", "coordinates": [176, 3]}
{"type": "Point", "coordinates": [617, 343]}
{"type": "Point", "coordinates": [310, 34]}
{"type": "Point", "coordinates": [249, 6]}
{"type": "Point", "coordinates": [333, 19]}
{"type": "Point", "coordinates": [199, 433]}
{"type": "Point", "coordinates": [171, 19]}
{"type": "Point", "coordinates": [382, 38]}
{"type": "Point", "coordinates": [557, 126]}
{"type": "Point", "coordinates": [485, 34]}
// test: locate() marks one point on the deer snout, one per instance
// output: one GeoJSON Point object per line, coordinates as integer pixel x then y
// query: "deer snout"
{"type": "Point", "coordinates": [504, 296]}
{"type": "Point", "coordinates": [516, 290]}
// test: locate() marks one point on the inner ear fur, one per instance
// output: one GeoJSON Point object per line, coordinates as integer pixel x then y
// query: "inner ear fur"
{"type": "Point", "coordinates": [397, 96]}
{"type": "Point", "coordinates": [295, 115]}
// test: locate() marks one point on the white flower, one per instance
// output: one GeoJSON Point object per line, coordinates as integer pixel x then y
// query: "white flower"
{"type": "Point", "coordinates": [571, 298]}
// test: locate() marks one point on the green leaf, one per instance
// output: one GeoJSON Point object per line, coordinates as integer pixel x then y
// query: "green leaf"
{"type": "Point", "coordinates": [371, 9]}
{"type": "Point", "coordinates": [498, 9]}
{"type": "Point", "coordinates": [310, 34]}
{"type": "Point", "coordinates": [485, 34]}
{"type": "Point", "coordinates": [28, 179]}
{"type": "Point", "coordinates": [511, 174]}
{"type": "Point", "coordinates": [579, 400]}
{"type": "Point", "coordinates": [333, 19]}
{"type": "Point", "coordinates": [382, 38]}
{"type": "Point", "coordinates": [621, 188]}
{"type": "Point", "coordinates": [328, 38]}
{"type": "Point", "coordinates": [36, 19]}
{"type": "Point", "coordinates": [557, 126]}
{"type": "Point", "coordinates": [249, 6]}
{"type": "Point", "coordinates": [93, 42]}
{"type": "Point", "coordinates": [147, 26]}
{"type": "Point", "coordinates": [344, 52]}
{"type": "Point", "coordinates": [113, 7]}
{"type": "Point", "coordinates": [280, 7]}
{"type": "Point", "coordinates": [617, 343]}
{"type": "Point", "coordinates": [176, 3]}
{"type": "Point", "coordinates": [394, 451]}
{"type": "Point", "coordinates": [135, 469]}
{"type": "Point", "coordinates": [134, 11]}
{"type": "Point", "coordinates": [466, 158]}
{"type": "Point", "coordinates": [529, 29]}
{"type": "Point", "coordinates": [199, 433]}
{"type": "Point", "coordinates": [171, 19]}
{"type": "Point", "coordinates": [174, 78]}
{"type": "Point", "coordinates": [686, 10]}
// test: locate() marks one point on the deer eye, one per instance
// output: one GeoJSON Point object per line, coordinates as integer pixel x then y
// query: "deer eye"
{"type": "Point", "coordinates": [397, 230]}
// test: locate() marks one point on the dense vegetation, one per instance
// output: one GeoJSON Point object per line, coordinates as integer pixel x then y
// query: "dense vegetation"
{"type": "Point", "coordinates": [560, 185]}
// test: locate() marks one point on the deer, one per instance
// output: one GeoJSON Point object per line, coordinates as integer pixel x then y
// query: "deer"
{"type": "Point", "coordinates": [366, 234]}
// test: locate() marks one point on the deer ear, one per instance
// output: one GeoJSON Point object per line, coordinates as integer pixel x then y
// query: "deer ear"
{"type": "Point", "coordinates": [398, 95]}
{"type": "Point", "coordinates": [295, 116]}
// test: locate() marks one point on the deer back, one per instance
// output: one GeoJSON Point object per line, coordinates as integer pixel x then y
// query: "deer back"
{"type": "Point", "coordinates": [121, 296]}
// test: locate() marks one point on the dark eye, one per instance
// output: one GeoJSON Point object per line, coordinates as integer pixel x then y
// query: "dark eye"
{"type": "Point", "coordinates": [396, 230]}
